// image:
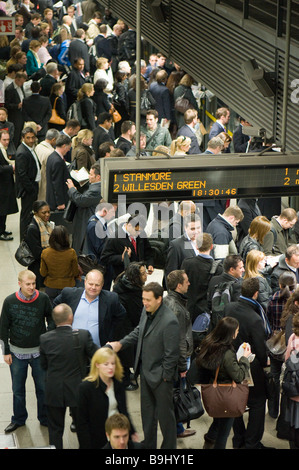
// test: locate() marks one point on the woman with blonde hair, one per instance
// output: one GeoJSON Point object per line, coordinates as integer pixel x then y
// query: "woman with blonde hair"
{"type": "Point", "coordinates": [257, 231]}
{"type": "Point", "coordinates": [180, 146]}
{"type": "Point", "coordinates": [101, 395]}
{"type": "Point", "coordinates": [104, 71]}
{"type": "Point", "coordinates": [33, 64]}
{"type": "Point", "coordinates": [87, 105]}
{"type": "Point", "coordinates": [82, 150]}
{"type": "Point", "coordinates": [255, 267]}
{"type": "Point", "coordinates": [57, 102]}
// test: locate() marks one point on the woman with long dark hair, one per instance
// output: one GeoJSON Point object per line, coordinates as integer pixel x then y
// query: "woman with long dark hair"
{"type": "Point", "coordinates": [217, 351]}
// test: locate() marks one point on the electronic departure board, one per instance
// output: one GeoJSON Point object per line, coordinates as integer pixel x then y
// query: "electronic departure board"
{"type": "Point", "coordinates": [199, 177]}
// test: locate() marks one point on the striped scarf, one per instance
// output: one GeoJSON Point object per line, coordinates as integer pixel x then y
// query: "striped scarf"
{"type": "Point", "coordinates": [45, 229]}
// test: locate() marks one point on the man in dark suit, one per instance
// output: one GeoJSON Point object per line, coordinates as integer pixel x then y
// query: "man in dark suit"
{"type": "Point", "coordinates": [38, 109]}
{"type": "Point", "coordinates": [102, 132]}
{"type": "Point", "coordinates": [28, 175]}
{"type": "Point", "coordinates": [86, 203]}
{"type": "Point", "coordinates": [251, 330]}
{"type": "Point", "coordinates": [185, 246]}
{"type": "Point", "coordinates": [79, 49]}
{"type": "Point", "coordinates": [157, 355]}
{"type": "Point", "coordinates": [200, 270]}
{"type": "Point", "coordinates": [8, 202]}
{"type": "Point", "coordinates": [222, 118]}
{"type": "Point", "coordinates": [161, 95]}
{"type": "Point", "coordinates": [241, 140]}
{"type": "Point", "coordinates": [57, 174]}
{"type": "Point", "coordinates": [14, 96]}
{"type": "Point", "coordinates": [188, 130]}
{"type": "Point", "coordinates": [51, 77]}
{"type": "Point", "coordinates": [95, 309]}
{"type": "Point", "coordinates": [75, 79]}
{"type": "Point", "coordinates": [128, 243]}
{"type": "Point", "coordinates": [64, 355]}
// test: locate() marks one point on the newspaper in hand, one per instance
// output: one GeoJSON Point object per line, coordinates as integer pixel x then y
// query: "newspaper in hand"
{"type": "Point", "coordinates": [81, 176]}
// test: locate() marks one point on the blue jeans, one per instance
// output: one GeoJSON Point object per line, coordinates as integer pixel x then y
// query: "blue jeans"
{"type": "Point", "coordinates": [18, 371]}
{"type": "Point", "coordinates": [219, 431]}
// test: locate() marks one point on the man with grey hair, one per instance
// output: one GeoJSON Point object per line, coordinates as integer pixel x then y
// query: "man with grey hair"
{"type": "Point", "coordinates": [43, 150]}
{"type": "Point", "coordinates": [51, 77]}
{"type": "Point", "coordinates": [215, 145]}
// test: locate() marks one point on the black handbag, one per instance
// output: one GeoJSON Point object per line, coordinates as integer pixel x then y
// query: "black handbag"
{"type": "Point", "coordinates": [24, 255]}
{"type": "Point", "coordinates": [70, 211]}
{"type": "Point", "coordinates": [187, 403]}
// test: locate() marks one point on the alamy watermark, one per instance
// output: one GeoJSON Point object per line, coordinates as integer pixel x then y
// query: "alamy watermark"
{"type": "Point", "coordinates": [295, 93]}
{"type": "Point", "coordinates": [162, 218]}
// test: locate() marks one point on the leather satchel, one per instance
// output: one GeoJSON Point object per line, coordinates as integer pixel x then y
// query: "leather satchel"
{"type": "Point", "coordinates": [116, 117]}
{"type": "Point", "coordinates": [187, 403]}
{"type": "Point", "coordinates": [276, 345]}
{"type": "Point", "coordinates": [24, 255]}
{"type": "Point", "coordinates": [224, 400]}
{"type": "Point", "coordinates": [55, 118]}
{"type": "Point", "coordinates": [182, 104]}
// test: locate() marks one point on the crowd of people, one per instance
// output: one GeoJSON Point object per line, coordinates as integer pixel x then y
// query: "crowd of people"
{"type": "Point", "coordinates": [233, 264]}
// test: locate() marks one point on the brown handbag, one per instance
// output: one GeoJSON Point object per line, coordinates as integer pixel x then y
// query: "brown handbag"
{"type": "Point", "coordinates": [224, 400]}
{"type": "Point", "coordinates": [55, 119]}
{"type": "Point", "coordinates": [116, 117]}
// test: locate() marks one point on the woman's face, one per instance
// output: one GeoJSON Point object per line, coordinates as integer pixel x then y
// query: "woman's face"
{"type": "Point", "coordinates": [185, 147]}
{"type": "Point", "coordinates": [44, 213]}
{"type": "Point", "coordinates": [143, 274]}
{"type": "Point", "coordinates": [107, 368]}
{"type": "Point", "coordinates": [236, 333]}
{"type": "Point", "coordinates": [90, 92]}
{"type": "Point", "coordinates": [87, 141]}
{"type": "Point", "coordinates": [3, 115]}
{"type": "Point", "coordinates": [261, 264]}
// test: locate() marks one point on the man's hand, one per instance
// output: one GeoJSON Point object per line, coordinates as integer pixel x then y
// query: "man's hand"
{"type": "Point", "coordinates": [61, 207]}
{"type": "Point", "coordinates": [150, 270]}
{"type": "Point", "coordinates": [128, 250]}
{"type": "Point", "coordinates": [70, 183]}
{"type": "Point", "coordinates": [8, 359]}
{"type": "Point", "coordinates": [116, 345]}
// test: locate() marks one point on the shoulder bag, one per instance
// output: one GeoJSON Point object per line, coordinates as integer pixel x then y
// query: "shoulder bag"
{"type": "Point", "coordinates": [187, 403]}
{"type": "Point", "coordinates": [55, 119]}
{"type": "Point", "coordinates": [24, 255]}
{"type": "Point", "coordinates": [224, 400]}
{"type": "Point", "coordinates": [182, 104]}
{"type": "Point", "coordinates": [276, 345]}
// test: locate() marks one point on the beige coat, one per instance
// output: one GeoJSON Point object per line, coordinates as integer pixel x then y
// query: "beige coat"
{"type": "Point", "coordinates": [43, 150]}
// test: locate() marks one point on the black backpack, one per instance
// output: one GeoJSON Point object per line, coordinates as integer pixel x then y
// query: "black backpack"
{"type": "Point", "coordinates": [221, 297]}
{"type": "Point", "coordinates": [159, 246]}
{"type": "Point", "coordinates": [290, 381]}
